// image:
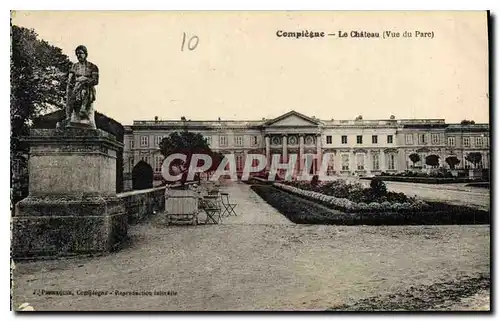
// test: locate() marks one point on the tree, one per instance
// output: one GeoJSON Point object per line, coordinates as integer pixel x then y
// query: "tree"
{"type": "Point", "coordinates": [38, 77]}
{"type": "Point", "coordinates": [188, 144]}
{"type": "Point", "coordinates": [415, 158]}
{"type": "Point", "coordinates": [452, 161]}
{"type": "Point", "coordinates": [467, 122]}
{"type": "Point", "coordinates": [474, 158]}
{"type": "Point", "coordinates": [432, 160]}
{"type": "Point", "coordinates": [38, 73]}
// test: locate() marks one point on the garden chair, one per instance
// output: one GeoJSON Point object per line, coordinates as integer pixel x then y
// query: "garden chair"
{"type": "Point", "coordinates": [210, 205]}
{"type": "Point", "coordinates": [228, 206]}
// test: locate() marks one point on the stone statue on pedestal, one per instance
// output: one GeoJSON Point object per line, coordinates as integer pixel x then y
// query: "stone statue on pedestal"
{"type": "Point", "coordinates": [80, 92]}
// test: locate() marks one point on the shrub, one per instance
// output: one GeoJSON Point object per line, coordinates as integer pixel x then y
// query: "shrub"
{"type": "Point", "coordinates": [415, 158]}
{"type": "Point", "coordinates": [432, 160]}
{"type": "Point", "coordinates": [378, 187]}
{"type": "Point", "coordinates": [315, 181]}
{"type": "Point", "coordinates": [452, 161]}
{"type": "Point", "coordinates": [474, 158]}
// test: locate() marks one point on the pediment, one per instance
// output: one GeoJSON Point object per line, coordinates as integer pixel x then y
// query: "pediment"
{"type": "Point", "coordinates": [292, 119]}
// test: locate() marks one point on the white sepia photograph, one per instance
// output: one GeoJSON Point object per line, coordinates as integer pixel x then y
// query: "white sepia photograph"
{"type": "Point", "coordinates": [319, 161]}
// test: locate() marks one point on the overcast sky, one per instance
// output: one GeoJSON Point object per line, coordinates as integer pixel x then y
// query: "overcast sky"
{"type": "Point", "coordinates": [240, 69]}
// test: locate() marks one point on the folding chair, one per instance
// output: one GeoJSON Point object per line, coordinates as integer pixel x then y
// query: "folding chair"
{"type": "Point", "coordinates": [228, 206]}
{"type": "Point", "coordinates": [210, 205]}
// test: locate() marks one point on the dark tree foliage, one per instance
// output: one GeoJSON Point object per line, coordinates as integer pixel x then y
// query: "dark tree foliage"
{"type": "Point", "coordinates": [432, 160]}
{"type": "Point", "coordinates": [38, 73]}
{"type": "Point", "coordinates": [415, 158]}
{"type": "Point", "coordinates": [474, 158]}
{"type": "Point", "coordinates": [38, 78]}
{"type": "Point", "coordinates": [142, 176]}
{"type": "Point", "coordinates": [452, 161]}
{"type": "Point", "coordinates": [188, 143]}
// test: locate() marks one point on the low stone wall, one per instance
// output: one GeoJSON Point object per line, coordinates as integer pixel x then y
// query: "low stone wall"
{"type": "Point", "coordinates": [140, 204]}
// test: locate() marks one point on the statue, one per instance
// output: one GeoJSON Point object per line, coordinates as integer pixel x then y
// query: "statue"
{"type": "Point", "coordinates": [80, 91]}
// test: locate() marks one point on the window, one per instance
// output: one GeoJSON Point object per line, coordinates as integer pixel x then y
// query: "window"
{"type": "Point", "coordinates": [158, 163]}
{"type": "Point", "coordinates": [422, 139]}
{"type": "Point", "coordinates": [309, 140]}
{"type": "Point", "coordinates": [466, 142]}
{"type": "Point", "coordinates": [130, 164]}
{"type": "Point", "coordinates": [389, 139]}
{"type": "Point", "coordinates": [360, 161]}
{"type": "Point", "coordinates": [345, 162]}
{"type": "Point", "coordinates": [392, 159]}
{"type": "Point", "coordinates": [238, 140]}
{"type": "Point", "coordinates": [435, 139]}
{"type": "Point", "coordinates": [144, 141]}
{"type": "Point", "coordinates": [359, 139]}
{"type": "Point", "coordinates": [255, 140]}
{"type": "Point", "coordinates": [479, 141]}
{"type": "Point", "coordinates": [145, 158]}
{"type": "Point", "coordinates": [239, 162]}
{"type": "Point", "coordinates": [375, 163]}
{"type": "Point", "coordinates": [209, 140]}
{"type": "Point", "coordinates": [374, 139]}
{"type": "Point", "coordinates": [344, 139]}
{"type": "Point", "coordinates": [409, 139]}
{"type": "Point", "coordinates": [223, 140]}
{"type": "Point", "coordinates": [451, 141]}
{"type": "Point", "coordinates": [331, 165]}
{"type": "Point", "coordinates": [328, 139]}
{"type": "Point", "coordinates": [131, 143]}
{"type": "Point", "coordinates": [158, 140]}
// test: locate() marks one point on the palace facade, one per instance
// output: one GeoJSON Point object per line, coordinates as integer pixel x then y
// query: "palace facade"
{"type": "Point", "coordinates": [355, 147]}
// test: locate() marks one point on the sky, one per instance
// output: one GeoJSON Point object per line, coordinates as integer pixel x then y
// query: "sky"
{"type": "Point", "coordinates": [240, 68]}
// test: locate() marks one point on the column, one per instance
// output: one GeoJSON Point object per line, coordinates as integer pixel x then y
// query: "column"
{"type": "Point", "coordinates": [368, 162]}
{"type": "Point", "coordinates": [352, 161]}
{"type": "Point", "coordinates": [285, 146]}
{"type": "Point", "coordinates": [318, 152]}
{"type": "Point", "coordinates": [301, 151]}
{"type": "Point", "coordinates": [383, 166]}
{"type": "Point", "coordinates": [268, 151]}
{"type": "Point", "coordinates": [442, 157]}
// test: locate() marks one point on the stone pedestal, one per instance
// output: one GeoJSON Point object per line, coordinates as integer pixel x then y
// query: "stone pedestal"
{"type": "Point", "coordinates": [72, 206]}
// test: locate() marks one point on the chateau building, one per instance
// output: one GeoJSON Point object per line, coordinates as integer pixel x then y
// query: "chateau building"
{"type": "Point", "coordinates": [355, 147]}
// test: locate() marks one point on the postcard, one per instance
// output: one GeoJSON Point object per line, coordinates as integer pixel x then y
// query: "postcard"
{"type": "Point", "coordinates": [250, 161]}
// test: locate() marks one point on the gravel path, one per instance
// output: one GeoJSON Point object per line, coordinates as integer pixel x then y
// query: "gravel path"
{"type": "Point", "coordinates": [257, 261]}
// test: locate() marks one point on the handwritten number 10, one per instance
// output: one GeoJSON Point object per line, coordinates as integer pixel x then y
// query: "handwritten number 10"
{"type": "Point", "coordinates": [192, 43]}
